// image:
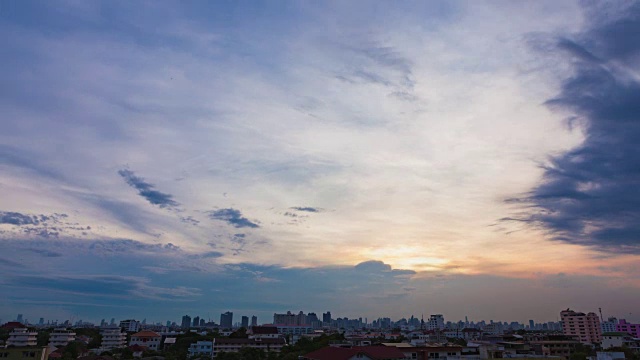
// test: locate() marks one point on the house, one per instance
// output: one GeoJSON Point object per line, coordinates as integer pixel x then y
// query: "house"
{"type": "Point", "coordinates": [620, 339]}
{"type": "Point", "coordinates": [355, 353]}
{"type": "Point", "coordinates": [146, 338]}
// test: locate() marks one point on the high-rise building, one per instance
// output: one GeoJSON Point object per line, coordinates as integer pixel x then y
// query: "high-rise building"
{"type": "Point", "coordinates": [585, 326]}
{"type": "Point", "coordinates": [19, 319]}
{"type": "Point", "coordinates": [532, 325]}
{"type": "Point", "coordinates": [610, 325]}
{"type": "Point", "coordinates": [326, 317]}
{"type": "Point", "coordinates": [202, 322]}
{"type": "Point", "coordinates": [130, 325]}
{"type": "Point", "coordinates": [436, 322]}
{"type": "Point", "coordinates": [290, 319]}
{"type": "Point", "coordinates": [226, 320]}
{"type": "Point", "coordinates": [186, 322]}
{"type": "Point", "coordinates": [41, 322]}
{"type": "Point", "coordinates": [196, 321]}
{"type": "Point", "coordinates": [254, 320]}
{"type": "Point", "coordinates": [245, 322]}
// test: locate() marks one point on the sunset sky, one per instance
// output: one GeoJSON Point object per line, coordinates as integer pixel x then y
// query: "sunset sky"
{"type": "Point", "coordinates": [372, 158]}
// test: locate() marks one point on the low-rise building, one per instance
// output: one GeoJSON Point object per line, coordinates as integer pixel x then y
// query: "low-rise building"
{"type": "Point", "coordinates": [21, 337]}
{"type": "Point", "coordinates": [149, 339]}
{"type": "Point", "coordinates": [234, 345]}
{"type": "Point", "coordinates": [201, 348]}
{"type": "Point", "coordinates": [620, 339]}
{"type": "Point", "coordinates": [61, 337]}
{"type": "Point", "coordinates": [632, 329]}
{"type": "Point", "coordinates": [25, 353]}
{"type": "Point", "coordinates": [113, 338]}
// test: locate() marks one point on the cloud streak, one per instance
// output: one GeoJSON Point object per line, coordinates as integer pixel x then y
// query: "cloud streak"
{"type": "Point", "coordinates": [147, 191]}
{"type": "Point", "coordinates": [233, 217]}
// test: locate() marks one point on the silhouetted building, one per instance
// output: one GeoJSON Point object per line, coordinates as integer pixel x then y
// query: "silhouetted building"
{"type": "Point", "coordinates": [226, 320]}
{"type": "Point", "coordinates": [186, 322]}
{"type": "Point", "coordinates": [245, 322]}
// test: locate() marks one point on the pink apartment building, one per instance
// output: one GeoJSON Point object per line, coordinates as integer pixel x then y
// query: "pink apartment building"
{"type": "Point", "coordinates": [586, 327]}
{"type": "Point", "coordinates": [632, 329]}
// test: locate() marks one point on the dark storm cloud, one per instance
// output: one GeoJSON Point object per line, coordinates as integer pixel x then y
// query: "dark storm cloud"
{"type": "Point", "coordinates": [232, 217]}
{"type": "Point", "coordinates": [146, 190]}
{"type": "Point", "coordinates": [590, 195]}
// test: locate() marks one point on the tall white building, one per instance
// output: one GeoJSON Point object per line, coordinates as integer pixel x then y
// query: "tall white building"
{"type": "Point", "coordinates": [436, 322]}
{"type": "Point", "coordinates": [113, 338]}
{"type": "Point", "coordinates": [609, 325]}
{"type": "Point", "coordinates": [22, 337]}
{"type": "Point", "coordinates": [61, 337]}
{"type": "Point", "coordinates": [130, 325]}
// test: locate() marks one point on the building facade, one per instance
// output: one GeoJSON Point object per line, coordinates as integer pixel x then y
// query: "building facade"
{"type": "Point", "coordinates": [61, 337]}
{"type": "Point", "coordinates": [226, 320]}
{"type": "Point", "coordinates": [146, 338]}
{"type": "Point", "coordinates": [113, 338]}
{"type": "Point", "coordinates": [586, 327]}
{"type": "Point", "coordinates": [21, 337]}
{"type": "Point", "coordinates": [632, 329]}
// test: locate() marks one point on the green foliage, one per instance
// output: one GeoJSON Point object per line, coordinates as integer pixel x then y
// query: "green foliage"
{"type": "Point", "coordinates": [239, 334]}
{"type": "Point", "coordinates": [73, 350]}
{"type": "Point", "coordinates": [305, 345]}
{"type": "Point", "coordinates": [43, 338]}
{"type": "Point", "coordinates": [457, 341]}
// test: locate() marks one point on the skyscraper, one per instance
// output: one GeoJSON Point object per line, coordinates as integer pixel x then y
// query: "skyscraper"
{"type": "Point", "coordinates": [226, 320]}
{"type": "Point", "coordinates": [326, 317]}
{"type": "Point", "coordinates": [254, 320]}
{"type": "Point", "coordinates": [245, 322]}
{"type": "Point", "coordinates": [186, 322]}
{"type": "Point", "coordinates": [196, 321]}
{"type": "Point", "coordinates": [532, 325]}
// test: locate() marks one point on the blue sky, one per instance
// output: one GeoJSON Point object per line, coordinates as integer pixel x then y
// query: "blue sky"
{"type": "Point", "coordinates": [368, 158]}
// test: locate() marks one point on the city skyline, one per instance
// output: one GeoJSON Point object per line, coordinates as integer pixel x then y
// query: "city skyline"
{"type": "Point", "coordinates": [465, 158]}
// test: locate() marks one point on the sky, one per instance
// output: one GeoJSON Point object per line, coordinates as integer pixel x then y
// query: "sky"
{"type": "Point", "coordinates": [371, 158]}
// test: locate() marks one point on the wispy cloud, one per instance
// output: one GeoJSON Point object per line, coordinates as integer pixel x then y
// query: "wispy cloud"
{"type": "Point", "coordinates": [147, 191]}
{"type": "Point", "coordinates": [232, 217]}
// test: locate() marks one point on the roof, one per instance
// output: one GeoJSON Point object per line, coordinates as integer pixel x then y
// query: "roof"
{"type": "Point", "coordinates": [146, 333]}
{"type": "Point", "coordinates": [616, 333]}
{"type": "Point", "coordinates": [227, 341]}
{"type": "Point", "coordinates": [13, 325]}
{"type": "Point", "coordinates": [170, 340]}
{"type": "Point", "coordinates": [264, 330]}
{"type": "Point", "coordinates": [337, 353]}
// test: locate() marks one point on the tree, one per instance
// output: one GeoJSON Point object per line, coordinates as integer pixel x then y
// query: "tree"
{"type": "Point", "coordinates": [43, 338]}
{"type": "Point", "coordinates": [239, 334]}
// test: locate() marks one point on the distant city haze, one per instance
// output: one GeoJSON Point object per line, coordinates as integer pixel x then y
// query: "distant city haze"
{"type": "Point", "coordinates": [372, 159]}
